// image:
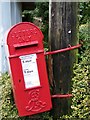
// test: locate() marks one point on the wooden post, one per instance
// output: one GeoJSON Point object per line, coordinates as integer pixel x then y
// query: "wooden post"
{"type": "Point", "coordinates": [63, 33]}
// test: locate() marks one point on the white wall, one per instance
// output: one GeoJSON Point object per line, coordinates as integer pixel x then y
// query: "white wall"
{"type": "Point", "coordinates": [10, 14]}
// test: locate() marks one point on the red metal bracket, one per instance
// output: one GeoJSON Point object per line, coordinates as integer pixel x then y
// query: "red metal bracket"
{"type": "Point", "coordinates": [62, 96]}
{"type": "Point", "coordinates": [63, 50]}
{"type": "Point", "coordinates": [59, 51]}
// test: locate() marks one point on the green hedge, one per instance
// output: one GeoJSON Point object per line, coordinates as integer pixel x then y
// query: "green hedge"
{"type": "Point", "coordinates": [8, 108]}
{"type": "Point", "coordinates": [81, 88]}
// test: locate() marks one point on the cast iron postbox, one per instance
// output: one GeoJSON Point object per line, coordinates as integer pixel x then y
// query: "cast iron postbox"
{"type": "Point", "coordinates": [28, 69]}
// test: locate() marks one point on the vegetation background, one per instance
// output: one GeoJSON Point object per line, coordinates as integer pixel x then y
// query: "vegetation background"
{"type": "Point", "coordinates": [81, 81]}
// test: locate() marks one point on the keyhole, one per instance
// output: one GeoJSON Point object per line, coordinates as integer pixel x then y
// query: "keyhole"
{"type": "Point", "coordinates": [19, 80]}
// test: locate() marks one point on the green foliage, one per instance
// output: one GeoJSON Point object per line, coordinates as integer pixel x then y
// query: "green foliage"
{"type": "Point", "coordinates": [84, 39]}
{"type": "Point", "coordinates": [8, 109]}
{"type": "Point", "coordinates": [42, 10]}
{"type": "Point", "coordinates": [27, 16]}
{"type": "Point", "coordinates": [84, 15]}
{"type": "Point", "coordinates": [81, 80]}
{"type": "Point", "coordinates": [81, 88]}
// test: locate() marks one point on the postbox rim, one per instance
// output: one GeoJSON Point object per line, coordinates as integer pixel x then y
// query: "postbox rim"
{"type": "Point", "coordinates": [23, 23]}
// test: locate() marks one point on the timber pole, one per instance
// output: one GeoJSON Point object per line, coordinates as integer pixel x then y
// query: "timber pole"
{"type": "Point", "coordinates": [62, 33]}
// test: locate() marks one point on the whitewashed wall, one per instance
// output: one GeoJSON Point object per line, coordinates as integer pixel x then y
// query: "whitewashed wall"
{"type": "Point", "coordinates": [10, 14]}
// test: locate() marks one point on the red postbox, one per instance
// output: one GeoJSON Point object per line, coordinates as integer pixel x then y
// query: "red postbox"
{"type": "Point", "coordinates": [28, 69]}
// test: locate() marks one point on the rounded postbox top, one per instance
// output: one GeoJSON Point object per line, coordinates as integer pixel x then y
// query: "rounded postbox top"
{"type": "Point", "coordinates": [24, 33]}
